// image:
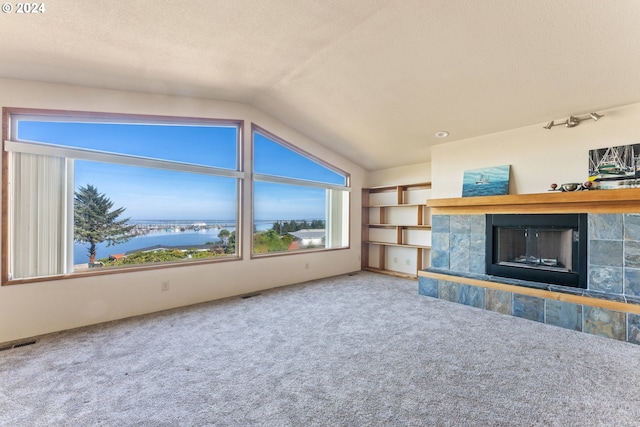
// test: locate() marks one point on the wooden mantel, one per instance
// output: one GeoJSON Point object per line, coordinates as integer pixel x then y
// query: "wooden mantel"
{"type": "Point", "coordinates": [594, 201]}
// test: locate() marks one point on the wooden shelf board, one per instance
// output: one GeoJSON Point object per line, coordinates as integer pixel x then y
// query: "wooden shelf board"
{"type": "Point", "coordinates": [400, 205]}
{"type": "Point", "coordinates": [418, 226]}
{"type": "Point", "coordinates": [593, 201]}
{"type": "Point", "coordinates": [400, 245]}
{"type": "Point", "coordinates": [382, 188]}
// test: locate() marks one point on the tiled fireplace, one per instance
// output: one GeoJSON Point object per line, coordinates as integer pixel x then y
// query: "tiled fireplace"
{"type": "Point", "coordinates": [459, 270]}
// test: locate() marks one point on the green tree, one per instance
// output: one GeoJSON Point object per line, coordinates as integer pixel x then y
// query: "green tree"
{"type": "Point", "coordinates": [287, 239]}
{"type": "Point", "coordinates": [268, 241]}
{"type": "Point", "coordinates": [284, 227]}
{"type": "Point", "coordinates": [317, 224]}
{"type": "Point", "coordinates": [277, 226]}
{"type": "Point", "coordinates": [94, 222]}
{"type": "Point", "coordinates": [231, 246]}
{"type": "Point", "coordinates": [224, 235]}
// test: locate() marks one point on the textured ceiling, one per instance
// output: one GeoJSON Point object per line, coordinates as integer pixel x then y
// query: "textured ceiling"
{"type": "Point", "coordinates": [371, 79]}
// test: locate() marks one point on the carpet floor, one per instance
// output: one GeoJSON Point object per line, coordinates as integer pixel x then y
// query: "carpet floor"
{"type": "Point", "coordinates": [352, 350]}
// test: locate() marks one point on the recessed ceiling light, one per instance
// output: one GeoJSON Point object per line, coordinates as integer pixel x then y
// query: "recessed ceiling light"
{"type": "Point", "coordinates": [442, 134]}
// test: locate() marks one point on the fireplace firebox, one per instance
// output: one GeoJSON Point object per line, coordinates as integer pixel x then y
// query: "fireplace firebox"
{"type": "Point", "coordinates": [546, 248]}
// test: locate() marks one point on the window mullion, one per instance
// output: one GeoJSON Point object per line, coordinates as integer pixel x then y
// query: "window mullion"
{"type": "Point", "coordinates": [125, 159]}
{"type": "Point", "coordinates": [296, 181]}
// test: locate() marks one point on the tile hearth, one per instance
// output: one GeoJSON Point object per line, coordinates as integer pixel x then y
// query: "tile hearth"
{"type": "Point", "coordinates": [458, 250]}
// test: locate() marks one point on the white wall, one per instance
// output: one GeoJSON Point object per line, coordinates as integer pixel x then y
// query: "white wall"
{"type": "Point", "coordinates": [409, 174]}
{"type": "Point", "coordinates": [538, 157]}
{"type": "Point", "coordinates": [33, 309]}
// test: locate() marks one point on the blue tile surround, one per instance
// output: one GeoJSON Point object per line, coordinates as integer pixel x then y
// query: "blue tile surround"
{"type": "Point", "coordinates": [458, 249]}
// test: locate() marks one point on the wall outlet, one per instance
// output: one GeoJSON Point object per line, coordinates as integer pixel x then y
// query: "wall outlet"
{"type": "Point", "coordinates": [164, 286]}
{"type": "Point", "coordinates": [408, 262]}
{"type": "Point", "coordinates": [395, 260]}
{"type": "Point", "coordinates": [306, 265]}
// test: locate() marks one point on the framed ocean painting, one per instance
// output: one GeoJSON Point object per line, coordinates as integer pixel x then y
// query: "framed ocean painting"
{"type": "Point", "coordinates": [491, 181]}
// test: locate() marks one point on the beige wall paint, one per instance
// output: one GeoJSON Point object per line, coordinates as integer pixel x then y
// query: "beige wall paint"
{"type": "Point", "coordinates": [538, 157]}
{"type": "Point", "coordinates": [37, 308]}
{"type": "Point", "coordinates": [420, 172]}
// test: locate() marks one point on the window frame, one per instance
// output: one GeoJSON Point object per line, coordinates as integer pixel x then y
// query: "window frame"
{"type": "Point", "coordinates": [294, 181]}
{"type": "Point", "coordinates": [10, 114]}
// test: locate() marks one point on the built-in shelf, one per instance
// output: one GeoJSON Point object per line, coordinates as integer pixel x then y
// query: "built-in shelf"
{"type": "Point", "coordinates": [403, 205]}
{"type": "Point", "coordinates": [400, 245]}
{"type": "Point", "coordinates": [593, 201]}
{"type": "Point", "coordinates": [396, 216]}
{"type": "Point", "coordinates": [413, 226]}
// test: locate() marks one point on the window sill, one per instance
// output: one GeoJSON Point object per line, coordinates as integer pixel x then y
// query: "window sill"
{"type": "Point", "coordinates": [102, 271]}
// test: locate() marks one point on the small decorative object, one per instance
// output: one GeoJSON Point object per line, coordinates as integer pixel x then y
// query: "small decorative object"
{"type": "Point", "coordinates": [491, 181]}
{"type": "Point", "coordinates": [571, 186]}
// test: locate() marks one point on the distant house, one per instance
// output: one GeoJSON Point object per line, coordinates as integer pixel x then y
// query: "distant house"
{"type": "Point", "coordinates": [306, 238]}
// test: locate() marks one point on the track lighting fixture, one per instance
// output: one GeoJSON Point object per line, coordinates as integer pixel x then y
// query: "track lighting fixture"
{"type": "Point", "coordinates": [573, 121]}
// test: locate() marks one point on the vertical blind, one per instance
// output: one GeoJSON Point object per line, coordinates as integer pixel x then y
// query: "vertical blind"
{"type": "Point", "coordinates": [38, 215]}
{"type": "Point", "coordinates": [337, 227]}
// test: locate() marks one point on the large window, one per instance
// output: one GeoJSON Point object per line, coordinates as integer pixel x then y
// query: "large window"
{"type": "Point", "coordinates": [300, 202]}
{"type": "Point", "coordinates": [89, 193]}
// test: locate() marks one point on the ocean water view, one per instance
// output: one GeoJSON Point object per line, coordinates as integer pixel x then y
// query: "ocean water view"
{"type": "Point", "coordinates": [165, 232]}
{"type": "Point", "coordinates": [485, 189]}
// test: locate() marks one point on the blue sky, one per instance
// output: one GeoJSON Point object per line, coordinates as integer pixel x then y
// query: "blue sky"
{"type": "Point", "coordinates": [203, 145]}
{"type": "Point", "coordinates": [274, 159]}
{"type": "Point", "coordinates": [159, 194]}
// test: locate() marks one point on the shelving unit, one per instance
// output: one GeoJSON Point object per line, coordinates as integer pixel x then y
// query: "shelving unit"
{"type": "Point", "coordinates": [396, 229]}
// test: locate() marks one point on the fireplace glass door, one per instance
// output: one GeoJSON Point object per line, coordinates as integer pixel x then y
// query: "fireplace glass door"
{"type": "Point", "coordinates": [547, 249]}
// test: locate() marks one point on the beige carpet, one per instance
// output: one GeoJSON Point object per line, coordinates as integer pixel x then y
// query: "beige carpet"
{"type": "Point", "coordinates": [359, 350]}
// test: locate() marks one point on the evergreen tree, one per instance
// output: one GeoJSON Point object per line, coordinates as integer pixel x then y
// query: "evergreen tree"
{"type": "Point", "coordinates": [284, 227]}
{"type": "Point", "coordinates": [224, 235]}
{"type": "Point", "coordinates": [277, 226]}
{"type": "Point", "coordinates": [268, 241]}
{"type": "Point", "coordinates": [94, 221]}
{"type": "Point", "coordinates": [231, 244]}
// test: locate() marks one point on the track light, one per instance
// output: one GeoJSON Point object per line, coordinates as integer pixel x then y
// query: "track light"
{"type": "Point", "coordinates": [574, 121]}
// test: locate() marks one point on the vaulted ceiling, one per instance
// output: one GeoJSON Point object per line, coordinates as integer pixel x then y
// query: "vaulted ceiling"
{"type": "Point", "coordinates": [373, 80]}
